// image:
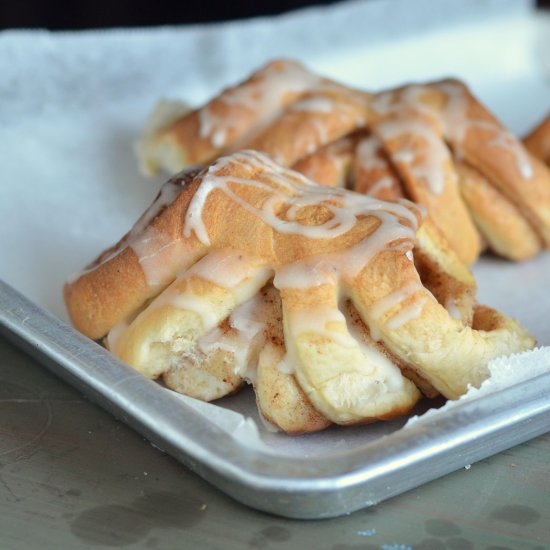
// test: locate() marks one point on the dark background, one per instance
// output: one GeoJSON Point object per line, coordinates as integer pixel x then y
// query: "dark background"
{"type": "Point", "coordinates": [104, 13]}
{"type": "Point", "coordinates": [87, 14]}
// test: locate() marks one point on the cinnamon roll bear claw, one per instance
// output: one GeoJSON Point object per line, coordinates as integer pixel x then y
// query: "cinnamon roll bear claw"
{"type": "Point", "coordinates": [337, 307]}
{"type": "Point", "coordinates": [433, 143]}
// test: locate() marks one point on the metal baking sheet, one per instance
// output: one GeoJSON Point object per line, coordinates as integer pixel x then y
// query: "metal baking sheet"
{"type": "Point", "coordinates": [299, 487]}
{"type": "Point", "coordinates": [66, 150]}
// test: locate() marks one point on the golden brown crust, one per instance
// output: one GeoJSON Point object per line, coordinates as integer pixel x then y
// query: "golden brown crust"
{"type": "Point", "coordinates": [203, 145]}
{"type": "Point", "coordinates": [202, 318]}
{"type": "Point", "coordinates": [301, 131]}
{"type": "Point", "coordinates": [330, 165]}
{"type": "Point", "coordinates": [447, 109]}
{"type": "Point", "coordinates": [443, 273]}
{"type": "Point", "coordinates": [233, 118]}
{"type": "Point", "coordinates": [507, 232]}
{"type": "Point", "coordinates": [520, 177]}
{"type": "Point", "coordinates": [419, 136]}
{"type": "Point", "coordinates": [538, 141]}
{"type": "Point", "coordinates": [449, 355]}
{"type": "Point", "coordinates": [373, 173]}
{"type": "Point", "coordinates": [115, 285]}
{"type": "Point", "coordinates": [281, 400]}
{"type": "Point", "coordinates": [444, 205]}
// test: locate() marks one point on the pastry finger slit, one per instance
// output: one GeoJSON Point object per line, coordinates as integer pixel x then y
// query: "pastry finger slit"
{"type": "Point", "coordinates": [172, 332]}
{"type": "Point", "coordinates": [311, 123]}
{"type": "Point", "coordinates": [421, 333]}
{"type": "Point", "coordinates": [345, 378]}
{"type": "Point", "coordinates": [281, 400]}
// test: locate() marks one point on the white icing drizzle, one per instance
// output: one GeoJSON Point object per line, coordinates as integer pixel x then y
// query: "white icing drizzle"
{"type": "Point", "coordinates": [383, 103]}
{"type": "Point", "coordinates": [248, 318]}
{"type": "Point", "coordinates": [382, 306]}
{"type": "Point", "coordinates": [322, 134]}
{"type": "Point", "coordinates": [384, 182]}
{"type": "Point", "coordinates": [406, 105]}
{"type": "Point", "coordinates": [195, 303]}
{"type": "Point", "coordinates": [168, 193]}
{"type": "Point", "coordinates": [143, 239]}
{"type": "Point", "coordinates": [407, 313]}
{"type": "Point", "coordinates": [406, 156]}
{"type": "Point", "coordinates": [306, 274]}
{"type": "Point", "coordinates": [367, 154]}
{"type": "Point", "coordinates": [456, 123]}
{"type": "Point", "coordinates": [227, 268]}
{"type": "Point", "coordinates": [245, 276]}
{"type": "Point", "coordinates": [388, 236]}
{"type": "Point", "coordinates": [215, 128]}
{"type": "Point", "coordinates": [505, 140]}
{"type": "Point", "coordinates": [385, 304]}
{"type": "Point", "coordinates": [414, 117]}
{"type": "Point", "coordinates": [263, 95]}
{"type": "Point", "coordinates": [241, 273]}
{"type": "Point", "coordinates": [216, 339]}
{"type": "Point", "coordinates": [371, 374]}
{"type": "Point", "coordinates": [397, 222]}
{"type": "Point", "coordinates": [150, 248]}
{"type": "Point", "coordinates": [428, 166]}
{"type": "Point", "coordinates": [322, 321]}
{"type": "Point", "coordinates": [318, 104]}
{"type": "Point", "coordinates": [455, 118]}
{"type": "Point", "coordinates": [247, 323]}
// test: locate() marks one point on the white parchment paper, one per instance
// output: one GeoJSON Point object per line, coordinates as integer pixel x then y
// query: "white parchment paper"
{"type": "Point", "coordinates": [72, 104]}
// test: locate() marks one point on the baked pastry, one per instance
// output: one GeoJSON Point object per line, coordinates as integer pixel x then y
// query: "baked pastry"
{"type": "Point", "coordinates": [436, 143]}
{"type": "Point", "coordinates": [281, 98]}
{"type": "Point", "coordinates": [336, 306]}
{"type": "Point", "coordinates": [538, 140]}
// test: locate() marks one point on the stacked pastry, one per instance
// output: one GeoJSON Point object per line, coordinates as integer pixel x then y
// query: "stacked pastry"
{"type": "Point", "coordinates": [434, 144]}
{"type": "Point", "coordinates": [336, 306]}
{"type": "Point", "coordinates": [538, 141]}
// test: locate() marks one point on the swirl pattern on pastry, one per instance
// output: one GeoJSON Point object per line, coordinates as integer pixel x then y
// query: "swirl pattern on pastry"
{"type": "Point", "coordinates": [434, 143]}
{"type": "Point", "coordinates": [336, 306]}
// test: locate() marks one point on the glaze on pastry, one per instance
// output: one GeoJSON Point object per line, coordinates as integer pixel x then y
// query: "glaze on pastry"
{"type": "Point", "coordinates": [434, 144]}
{"type": "Point", "coordinates": [259, 113]}
{"type": "Point", "coordinates": [538, 140]}
{"type": "Point", "coordinates": [336, 306]}
{"type": "Point", "coordinates": [442, 142]}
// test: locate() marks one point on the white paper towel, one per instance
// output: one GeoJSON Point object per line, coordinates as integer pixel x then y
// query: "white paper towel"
{"type": "Point", "coordinates": [71, 105]}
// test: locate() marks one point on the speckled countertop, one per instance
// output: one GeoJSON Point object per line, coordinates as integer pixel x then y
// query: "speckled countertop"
{"type": "Point", "coordinates": [71, 476]}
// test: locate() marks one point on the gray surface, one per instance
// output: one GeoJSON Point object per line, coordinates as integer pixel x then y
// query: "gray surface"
{"type": "Point", "coordinates": [323, 484]}
{"type": "Point", "coordinates": [71, 476]}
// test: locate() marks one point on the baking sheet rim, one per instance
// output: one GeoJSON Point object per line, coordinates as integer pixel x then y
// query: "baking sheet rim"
{"type": "Point", "coordinates": [309, 487]}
